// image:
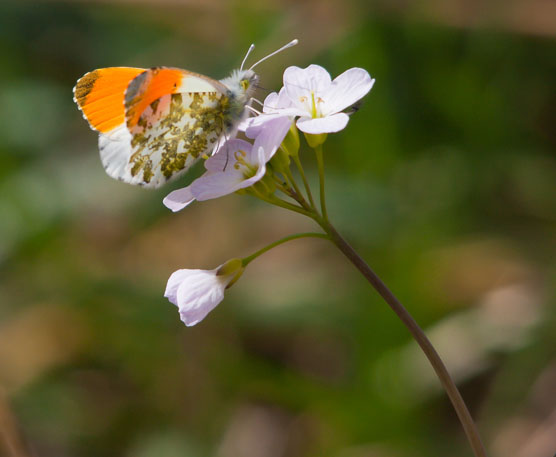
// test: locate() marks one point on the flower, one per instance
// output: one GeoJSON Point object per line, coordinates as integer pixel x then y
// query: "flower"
{"type": "Point", "coordinates": [236, 165]}
{"type": "Point", "coordinates": [311, 94]}
{"type": "Point", "coordinates": [197, 292]}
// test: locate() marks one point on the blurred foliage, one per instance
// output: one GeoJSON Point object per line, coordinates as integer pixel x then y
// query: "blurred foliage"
{"type": "Point", "coordinates": [445, 181]}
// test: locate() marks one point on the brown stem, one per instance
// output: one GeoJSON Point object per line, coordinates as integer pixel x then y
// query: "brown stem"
{"type": "Point", "coordinates": [427, 347]}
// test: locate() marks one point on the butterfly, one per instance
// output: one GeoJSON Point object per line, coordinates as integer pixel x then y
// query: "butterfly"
{"type": "Point", "coordinates": [154, 123]}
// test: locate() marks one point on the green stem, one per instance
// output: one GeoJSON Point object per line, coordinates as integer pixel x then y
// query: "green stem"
{"type": "Point", "coordinates": [438, 365]}
{"type": "Point", "coordinates": [320, 162]}
{"type": "Point", "coordinates": [283, 185]}
{"type": "Point", "coordinates": [253, 256]}
{"type": "Point", "coordinates": [272, 199]}
{"type": "Point", "coordinates": [304, 178]}
{"type": "Point", "coordinates": [298, 194]}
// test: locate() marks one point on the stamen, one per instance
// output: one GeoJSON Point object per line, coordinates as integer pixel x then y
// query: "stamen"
{"type": "Point", "coordinates": [239, 154]}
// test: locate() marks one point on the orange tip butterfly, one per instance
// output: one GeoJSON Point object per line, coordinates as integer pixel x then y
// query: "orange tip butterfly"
{"type": "Point", "coordinates": [154, 124]}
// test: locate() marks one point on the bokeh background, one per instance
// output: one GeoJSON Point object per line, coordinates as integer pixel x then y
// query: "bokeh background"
{"type": "Point", "coordinates": [445, 181]}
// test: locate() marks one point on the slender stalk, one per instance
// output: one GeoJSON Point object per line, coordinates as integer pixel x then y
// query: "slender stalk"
{"type": "Point", "coordinates": [288, 176]}
{"type": "Point", "coordinates": [298, 194]}
{"type": "Point", "coordinates": [284, 186]}
{"type": "Point", "coordinates": [320, 162]}
{"type": "Point", "coordinates": [279, 202]}
{"type": "Point", "coordinates": [253, 256]}
{"type": "Point", "coordinates": [289, 188]}
{"type": "Point", "coordinates": [304, 178]}
{"type": "Point", "coordinates": [417, 333]}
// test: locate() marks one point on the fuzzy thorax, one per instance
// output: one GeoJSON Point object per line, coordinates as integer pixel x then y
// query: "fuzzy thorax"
{"type": "Point", "coordinates": [240, 84]}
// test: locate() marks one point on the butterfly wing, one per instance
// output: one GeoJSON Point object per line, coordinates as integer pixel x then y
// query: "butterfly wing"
{"type": "Point", "coordinates": [171, 123]}
{"type": "Point", "coordinates": [153, 124]}
{"type": "Point", "coordinates": [100, 97]}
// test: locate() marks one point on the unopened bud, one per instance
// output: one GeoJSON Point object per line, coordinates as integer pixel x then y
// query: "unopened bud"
{"type": "Point", "coordinates": [281, 160]}
{"type": "Point", "coordinates": [291, 141]}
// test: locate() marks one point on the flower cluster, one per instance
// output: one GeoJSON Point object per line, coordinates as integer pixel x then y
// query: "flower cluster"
{"type": "Point", "coordinates": [309, 101]}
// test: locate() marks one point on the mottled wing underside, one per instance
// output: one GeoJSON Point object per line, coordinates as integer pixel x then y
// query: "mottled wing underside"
{"type": "Point", "coordinates": [172, 117]}
{"type": "Point", "coordinates": [173, 132]}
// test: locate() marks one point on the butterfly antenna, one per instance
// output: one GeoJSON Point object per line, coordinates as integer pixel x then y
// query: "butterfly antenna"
{"type": "Point", "coordinates": [247, 55]}
{"type": "Point", "coordinates": [289, 45]}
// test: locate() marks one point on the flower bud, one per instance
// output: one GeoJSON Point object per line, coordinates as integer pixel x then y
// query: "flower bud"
{"type": "Point", "coordinates": [265, 186]}
{"type": "Point", "coordinates": [291, 141]}
{"type": "Point", "coordinates": [281, 159]}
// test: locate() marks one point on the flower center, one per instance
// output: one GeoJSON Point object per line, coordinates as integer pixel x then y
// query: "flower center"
{"type": "Point", "coordinates": [242, 165]}
{"type": "Point", "coordinates": [314, 107]}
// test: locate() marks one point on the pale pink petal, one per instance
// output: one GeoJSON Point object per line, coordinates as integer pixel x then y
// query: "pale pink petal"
{"type": "Point", "coordinates": [257, 124]}
{"type": "Point", "coordinates": [314, 78]}
{"type": "Point", "coordinates": [346, 89]}
{"type": "Point", "coordinates": [242, 126]}
{"type": "Point", "coordinates": [271, 136]}
{"type": "Point", "coordinates": [271, 102]}
{"type": "Point", "coordinates": [261, 170]}
{"type": "Point", "coordinates": [174, 282]}
{"type": "Point", "coordinates": [225, 156]}
{"type": "Point", "coordinates": [276, 102]}
{"type": "Point", "coordinates": [217, 185]}
{"type": "Point", "coordinates": [179, 199]}
{"type": "Point", "coordinates": [198, 293]}
{"type": "Point", "coordinates": [299, 83]}
{"type": "Point", "coordinates": [328, 124]}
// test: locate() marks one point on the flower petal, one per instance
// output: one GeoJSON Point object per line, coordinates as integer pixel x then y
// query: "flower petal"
{"type": "Point", "coordinates": [257, 123]}
{"type": "Point", "coordinates": [270, 137]}
{"type": "Point", "coordinates": [199, 292]}
{"type": "Point", "coordinates": [313, 78]}
{"type": "Point", "coordinates": [328, 124]}
{"type": "Point", "coordinates": [271, 102]}
{"type": "Point", "coordinates": [261, 169]}
{"type": "Point", "coordinates": [179, 199]}
{"type": "Point", "coordinates": [174, 281]}
{"type": "Point", "coordinates": [225, 156]}
{"type": "Point", "coordinates": [346, 89]}
{"type": "Point", "coordinates": [276, 102]}
{"type": "Point", "coordinates": [216, 185]}
{"type": "Point", "coordinates": [299, 83]}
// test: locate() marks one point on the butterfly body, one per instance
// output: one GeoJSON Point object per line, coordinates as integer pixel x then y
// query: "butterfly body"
{"type": "Point", "coordinates": [153, 124]}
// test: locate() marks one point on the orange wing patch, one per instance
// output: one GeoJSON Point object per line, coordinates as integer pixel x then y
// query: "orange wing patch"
{"type": "Point", "coordinates": [146, 88]}
{"type": "Point", "coordinates": [100, 96]}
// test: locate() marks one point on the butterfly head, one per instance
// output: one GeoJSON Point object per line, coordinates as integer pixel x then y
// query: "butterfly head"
{"type": "Point", "coordinates": [241, 84]}
{"type": "Point", "coordinates": [248, 80]}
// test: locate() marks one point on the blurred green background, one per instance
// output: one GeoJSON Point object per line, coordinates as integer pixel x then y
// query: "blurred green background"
{"type": "Point", "coordinates": [445, 181]}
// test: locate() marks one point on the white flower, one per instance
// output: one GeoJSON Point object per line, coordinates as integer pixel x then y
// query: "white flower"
{"type": "Point", "coordinates": [311, 94]}
{"type": "Point", "coordinates": [197, 292]}
{"type": "Point", "coordinates": [236, 165]}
